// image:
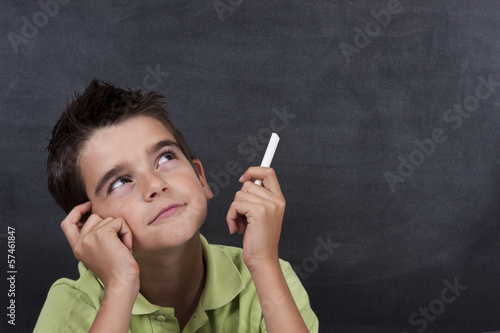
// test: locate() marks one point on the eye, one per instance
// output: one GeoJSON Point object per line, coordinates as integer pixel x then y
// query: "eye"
{"type": "Point", "coordinates": [118, 183]}
{"type": "Point", "coordinates": [165, 157]}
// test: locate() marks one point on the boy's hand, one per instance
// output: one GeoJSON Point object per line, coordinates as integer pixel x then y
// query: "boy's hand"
{"type": "Point", "coordinates": [104, 246]}
{"type": "Point", "coordinates": [258, 212]}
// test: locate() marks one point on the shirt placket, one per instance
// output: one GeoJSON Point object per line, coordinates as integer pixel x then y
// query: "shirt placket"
{"type": "Point", "coordinates": [164, 321]}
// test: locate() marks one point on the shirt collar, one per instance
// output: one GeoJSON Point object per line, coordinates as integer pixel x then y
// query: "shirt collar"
{"type": "Point", "coordinates": [223, 282]}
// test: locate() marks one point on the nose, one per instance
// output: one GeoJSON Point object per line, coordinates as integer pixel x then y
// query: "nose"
{"type": "Point", "coordinates": [153, 185]}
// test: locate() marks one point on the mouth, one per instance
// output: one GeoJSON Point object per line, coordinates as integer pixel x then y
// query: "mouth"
{"type": "Point", "coordinates": [167, 212]}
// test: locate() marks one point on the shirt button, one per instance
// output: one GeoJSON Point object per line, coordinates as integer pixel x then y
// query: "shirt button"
{"type": "Point", "coordinates": [161, 318]}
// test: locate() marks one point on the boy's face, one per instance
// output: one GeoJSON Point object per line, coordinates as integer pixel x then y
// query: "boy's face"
{"type": "Point", "coordinates": [136, 171]}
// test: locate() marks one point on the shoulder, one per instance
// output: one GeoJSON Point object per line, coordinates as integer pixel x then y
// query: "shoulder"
{"type": "Point", "coordinates": [71, 301]}
{"type": "Point", "coordinates": [235, 255]}
{"type": "Point", "coordinates": [88, 286]}
{"type": "Point", "coordinates": [248, 298]}
{"type": "Point", "coordinates": [229, 258]}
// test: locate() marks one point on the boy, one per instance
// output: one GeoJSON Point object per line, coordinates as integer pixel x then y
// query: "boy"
{"type": "Point", "coordinates": [136, 196]}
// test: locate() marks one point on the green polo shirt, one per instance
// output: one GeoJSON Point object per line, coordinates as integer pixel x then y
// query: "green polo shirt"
{"type": "Point", "coordinates": [229, 301]}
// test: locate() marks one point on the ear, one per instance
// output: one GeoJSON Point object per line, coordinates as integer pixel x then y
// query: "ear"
{"type": "Point", "coordinates": [198, 167]}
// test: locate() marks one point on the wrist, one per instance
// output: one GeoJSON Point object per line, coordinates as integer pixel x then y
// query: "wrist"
{"type": "Point", "coordinates": [264, 267]}
{"type": "Point", "coordinates": [122, 288]}
{"type": "Point", "coordinates": [116, 308]}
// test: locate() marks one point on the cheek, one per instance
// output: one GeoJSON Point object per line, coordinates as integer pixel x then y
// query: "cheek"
{"type": "Point", "coordinates": [196, 196]}
{"type": "Point", "coordinates": [111, 209]}
{"type": "Point", "coordinates": [191, 186]}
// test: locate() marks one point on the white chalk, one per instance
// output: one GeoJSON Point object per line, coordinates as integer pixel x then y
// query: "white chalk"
{"type": "Point", "coordinates": [269, 154]}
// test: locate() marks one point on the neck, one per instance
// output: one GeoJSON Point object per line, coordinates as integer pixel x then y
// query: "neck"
{"type": "Point", "coordinates": [175, 279]}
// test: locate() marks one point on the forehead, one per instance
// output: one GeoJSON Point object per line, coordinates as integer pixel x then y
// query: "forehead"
{"type": "Point", "coordinates": [125, 142]}
{"type": "Point", "coordinates": [131, 133]}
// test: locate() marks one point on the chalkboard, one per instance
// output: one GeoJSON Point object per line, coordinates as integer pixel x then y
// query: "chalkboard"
{"type": "Point", "coordinates": [388, 113]}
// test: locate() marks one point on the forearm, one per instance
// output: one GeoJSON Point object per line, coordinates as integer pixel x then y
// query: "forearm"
{"type": "Point", "coordinates": [278, 307]}
{"type": "Point", "coordinates": [115, 311]}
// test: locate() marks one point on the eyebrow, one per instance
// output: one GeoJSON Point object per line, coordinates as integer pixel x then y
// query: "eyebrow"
{"type": "Point", "coordinates": [160, 144]}
{"type": "Point", "coordinates": [117, 169]}
{"type": "Point", "coordinates": [120, 167]}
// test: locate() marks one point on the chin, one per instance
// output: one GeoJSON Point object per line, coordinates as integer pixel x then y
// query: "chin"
{"type": "Point", "coordinates": [164, 240]}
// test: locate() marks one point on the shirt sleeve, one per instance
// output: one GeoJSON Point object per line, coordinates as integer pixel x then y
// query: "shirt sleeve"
{"type": "Point", "coordinates": [300, 297]}
{"type": "Point", "coordinates": [66, 309]}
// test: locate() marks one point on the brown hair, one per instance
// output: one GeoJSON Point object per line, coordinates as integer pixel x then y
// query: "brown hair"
{"type": "Point", "coordinates": [101, 105]}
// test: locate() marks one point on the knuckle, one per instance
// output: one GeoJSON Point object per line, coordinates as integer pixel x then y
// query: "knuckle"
{"type": "Point", "coordinates": [106, 220]}
{"type": "Point", "coordinates": [119, 219]}
{"type": "Point", "coordinates": [232, 206]}
{"type": "Point", "coordinates": [84, 242]}
{"type": "Point", "coordinates": [99, 232]}
{"type": "Point", "coordinates": [246, 185]}
{"type": "Point", "coordinates": [261, 209]}
{"type": "Point", "coordinates": [238, 195]}
{"type": "Point", "coordinates": [78, 251]}
{"type": "Point", "coordinates": [268, 172]}
{"type": "Point", "coordinates": [282, 203]}
{"type": "Point", "coordinates": [94, 217]}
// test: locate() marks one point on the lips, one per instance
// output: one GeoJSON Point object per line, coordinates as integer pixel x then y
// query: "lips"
{"type": "Point", "coordinates": [167, 212]}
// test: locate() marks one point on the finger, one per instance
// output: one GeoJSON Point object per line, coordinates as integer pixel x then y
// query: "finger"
{"type": "Point", "coordinates": [232, 223]}
{"type": "Point", "coordinates": [233, 217]}
{"type": "Point", "coordinates": [91, 222]}
{"type": "Point", "coordinates": [125, 234]}
{"type": "Point", "coordinates": [242, 224]}
{"type": "Point", "coordinates": [241, 208]}
{"type": "Point", "coordinates": [70, 224]}
{"type": "Point", "coordinates": [121, 228]}
{"type": "Point", "coordinates": [255, 193]}
{"type": "Point", "coordinates": [267, 175]}
{"type": "Point", "coordinates": [266, 199]}
{"type": "Point", "coordinates": [239, 225]}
